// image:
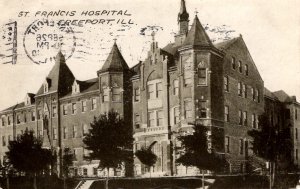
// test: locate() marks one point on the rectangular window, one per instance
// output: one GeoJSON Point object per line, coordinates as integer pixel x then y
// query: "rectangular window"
{"type": "Point", "coordinates": [176, 115]}
{"type": "Point", "coordinates": [54, 111]}
{"type": "Point", "coordinates": [240, 89]}
{"type": "Point", "coordinates": [18, 118]}
{"type": "Point", "coordinates": [240, 67]}
{"type": "Point", "coordinates": [137, 94]}
{"type": "Point", "coordinates": [65, 132]}
{"type": "Point", "coordinates": [160, 117]}
{"type": "Point", "coordinates": [245, 118]}
{"type": "Point", "coordinates": [95, 171]}
{"type": "Point", "coordinates": [227, 144]}
{"type": "Point", "coordinates": [226, 114]}
{"type": "Point", "coordinates": [159, 90]}
{"type": "Point", "coordinates": [151, 92]}
{"type": "Point", "coordinates": [241, 147]}
{"type": "Point", "coordinates": [94, 103]}
{"type": "Point", "coordinates": [244, 91]}
{"type": "Point", "coordinates": [151, 119]}
{"type": "Point", "coordinates": [74, 131]}
{"type": "Point", "coordinates": [74, 108]}
{"type": "Point", "coordinates": [246, 69]}
{"type": "Point", "coordinates": [240, 118]}
{"type": "Point", "coordinates": [296, 133]}
{"type": "Point", "coordinates": [226, 83]}
{"type": "Point", "coordinates": [233, 64]}
{"type": "Point", "coordinates": [257, 121]}
{"type": "Point", "coordinates": [33, 116]}
{"type": "Point", "coordinates": [253, 93]}
{"type": "Point", "coordinates": [253, 121]}
{"type": "Point", "coordinates": [203, 109]}
{"type": "Point", "coordinates": [296, 153]}
{"type": "Point", "coordinates": [188, 109]}
{"type": "Point", "coordinates": [202, 76]}
{"type": "Point", "coordinates": [257, 95]}
{"type": "Point", "coordinates": [85, 129]}
{"type": "Point", "coordinates": [3, 141]}
{"type": "Point", "coordinates": [3, 121]}
{"type": "Point", "coordinates": [83, 106]}
{"type": "Point", "coordinates": [187, 75]}
{"type": "Point", "coordinates": [55, 133]}
{"type": "Point", "coordinates": [85, 171]}
{"type": "Point", "coordinates": [296, 113]}
{"type": "Point", "coordinates": [25, 117]}
{"type": "Point", "coordinates": [65, 112]}
{"type": "Point", "coordinates": [137, 121]}
{"type": "Point", "coordinates": [105, 95]}
{"type": "Point", "coordinates": [40, 132]}
{"type": "Point", "coordinates": [8, 120]}
{"type": "Point", "coordinates": [176, 87]}
{"type": "Point", "coordinates": [116, 94]}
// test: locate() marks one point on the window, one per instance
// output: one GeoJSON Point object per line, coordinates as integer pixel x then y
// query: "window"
{"type": "Point", "coordinates": [25, 117]}
{"type": "Point", "coordinates": [176, 87]}
{"type": "Point", "coordinates": [176, 115]}
{"type": "Point", "coordinates": [296, 133]}
{"type": "Point", "coordinates": [226, 83]}
{"type": "Point", "coordinates": [151, 93]}
{"type": "Point", "coordinates": [54, 111]}
{"type": "Point", "coordinates": [245, 118]}
{"type": "Point", "coordinates": [83, 106]}
{"type": "Point", "coordinates": [94, 103]}
{"type": "Point", "coordinates": [65, 132]}
{"type": "Point", "coordinates": [74, 131]}
{"type": "Point", "coordinates": [86, 152]}
{"type": "Point", "coordinates": [160, 117]}
{"type": "Point", "coordinates": [187, 73]}
{"type": "Point", "coordinates": [95, 171]}
{"type": "Point", "coordinates": [65, 111]}
{"type": "Point", "coordinates": [244, 91]}
{"type": "Point", "coordinates": [137, 94]}
{"type": "Point", "coordinates": [296, 154]}
{"type": "Point", "coordinates": [257, 96]}
{"type": "Point", "coordinates": [203, 109]}
{"type": "Point", "coordinates": [85, 171]}
{"type": "Point", "coordinates": [240, 117]}
{"type": "Point", "coordinates": [55, 133]}
{"type": "Point", "coordinates": [116, 94]}
{"type": "Point", "coordinates": [240, 67]}
{"type": "Point", "coordinates": [9, 138]}
{"type": "Point", "coordinates": [3, 121]}
{"type": "Point", "coordinates": [151, 119]}
{"type": "Point", "coordinates": [253, 123]}
{"type": "Point", "coordinates": [74, 108]}
{"type": "Point", "coordinates": [137, 121]}
{"type": "Point", "coordinates": [8, 120]}
{"type": "Point", "coordinates": [33, 116]}
{"type": "Point", "coordinates": [188, 109]}
{"type": "Point", "coordinates": [246, 70]}
{"type": "Point", "coordinates": [296, 113]}
{"type": "Point", "coordinates": [85, 129]}
{"type": "Point", "coordinates": [45, 87]}
{"type": "Point", "coordinates": [18, 118]}
{"type": "Point", "coordinates": [202, 76]}
{"type": "Point", "coordinates": [3, 141]}
{"type": "Point", "coordinates": [227, 144]}
{"type": "Point", "coordinates": [233, 63]}
{"type": "Point", "coordinates": [226, 114]}
{"type": "Point", "coordinates": [241, 147]}
{"type": "Point", "coordinates": [257, 121]}
{"type": "Point", "coordinates": [105, 95]}
{"type": "Point", "coordinates": [240, 89]}
{"type": "Point", "coordinates": [253, 93]}
{"type": "Point", "coordinates": [39, 114]}
{"type": "Point", "coordinates": [159, 90]}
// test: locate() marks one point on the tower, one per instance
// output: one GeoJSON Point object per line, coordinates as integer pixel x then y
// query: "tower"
{"type": "Point", "coordinates": [183, 24]}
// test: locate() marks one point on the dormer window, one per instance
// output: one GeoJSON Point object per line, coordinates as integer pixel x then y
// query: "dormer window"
{"type": "Point", "coordinates": [75, 87]}
{"type": "Point", "coordinates": [47, 85]}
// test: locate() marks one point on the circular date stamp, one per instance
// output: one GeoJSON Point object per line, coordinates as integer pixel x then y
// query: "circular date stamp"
{"type": "Point", "coordinates": [44, 38]}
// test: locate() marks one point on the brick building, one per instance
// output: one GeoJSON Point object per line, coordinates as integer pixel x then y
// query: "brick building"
{"type": "Point", "coordinates": [188, 81]}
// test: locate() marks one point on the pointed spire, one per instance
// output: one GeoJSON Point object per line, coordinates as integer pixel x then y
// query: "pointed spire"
{"type": "Point", "coordinates": [197, 35]}
{"type": "Point", "coordinates": [183, 15]}
{"type": "Point", "coordinates": [114, 61]}
{"type": "Point", "coordinates": [60, 58]}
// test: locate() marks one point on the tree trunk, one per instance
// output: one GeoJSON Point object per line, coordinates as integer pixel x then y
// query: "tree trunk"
{"type": "Point", "coordinates": [270, 176]}
{"type": "Point", "coordinates": [202, 179]}
{"type": "Point", "coordinates": [34, 181]}
{"type": "Point", "coordinates": [150, 176]}
{"type": "Point", "coordinates": [65, 187]}
{"type": "Point", "coordinates": [273, 174]}
{"type": "Point", "coordinates": [107, 177]}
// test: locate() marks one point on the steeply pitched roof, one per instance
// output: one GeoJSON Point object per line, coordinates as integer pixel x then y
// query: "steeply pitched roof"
{"type": "Point", "coordinates": [86, 86]}
{"type": "Point", "coordinates": [60, 77]}
{"type": "Point", "coordinates": [225, 44]}
{"type": "Point", "coordinates": [19, 105]}
{"type": "Point", "coordinates": [114, 61]}
{"type": "Point", "coordinates": [283, 96]}
{"type": "Point", "coordinates": [197, 35]}
{"type": "Point", "coordinates": [269, 94]}
{"type": "Point", "coordinates": [183, 14]}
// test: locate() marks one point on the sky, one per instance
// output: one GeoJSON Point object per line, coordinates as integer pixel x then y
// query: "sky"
{"type": "Point", "coordinates": [270, 30]}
